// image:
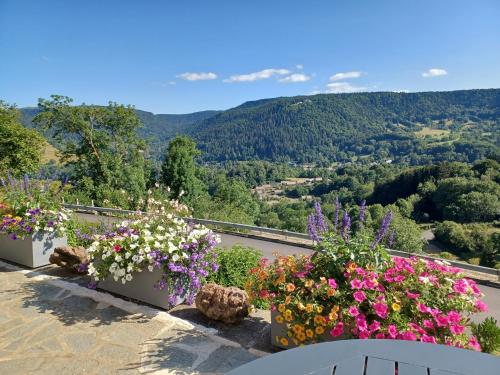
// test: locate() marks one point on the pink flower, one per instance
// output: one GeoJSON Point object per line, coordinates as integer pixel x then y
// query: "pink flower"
{"type": "Point", "coordinates": [263, 293]}
{"type": "Point", "coordinates": [429, 339]}
{"type": "Point", "coordinates": [332, 283]}
{"type": "Point", "coordinates": [481, 306]}
{"type": "Point", "coordinates": [454, 317]}
{"type": "Point", "coordinates": [392, 331]}
{"type": "Point", "coordinates": [273, 307]}
{"type": "Point", "coordinates": [337, 330]}
{"type": "Point", "coordinates": [461, 286]}
{"type": "Point", "coordinates": [428, 324]}
{"type": "Point", "coordinates": [380, 335]}
{"type": "Point", "coordinates": [417, 328]}
{"type": "Point", "coordinates": [457, 329]}
{"type": "Point", "coordinates": [411, 295]}
{"type": "Point", "coordinates": [399, 278]}
{"type": "Point", "coordinates": [474, 344]}
{"type": "Point", "coordinates": [441, 320]}
{"type": "Point", "coordinates": [422, 308]}
{"type": "Point", "coordinates": [117, 248]}
{"type": "Point", "coordinates": [375, 326]}
{"type": "Point", "coordinates": [369, 283]}
{"type": "Point", "coordinates": [359, 296]}
{"type": "Point", "coordinates": [364, 335]}
{"type": "Point", "coordinates": [381, 309]}
{"type": "Point", "coordinates": [408, 335]}
{"type": "Point", "coordinates": [361, 323]}
{"type": "Point", "coordinates": [356, 284]}
{"type": "Point", "coordinates": [353, 311]}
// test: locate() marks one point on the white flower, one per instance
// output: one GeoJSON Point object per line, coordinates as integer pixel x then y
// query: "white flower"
{"type": "Point", "coordinates": [123, 280]}
{"type": "Point", "coordinates": [150, 268]}
{"type": "Point", "coordinates": [175, 257]}
{"type": "Point", "coordinates": [128, 277]}
{"type": "Point", "coordinates": [134, 258]}
{"type": "Point", "coordinates": [128, 254]}
{"type": "Point", "coordinates": [118, 258]}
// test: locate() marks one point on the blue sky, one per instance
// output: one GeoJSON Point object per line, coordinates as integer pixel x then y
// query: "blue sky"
{"type": "Point", "coordinates": [185, 56]}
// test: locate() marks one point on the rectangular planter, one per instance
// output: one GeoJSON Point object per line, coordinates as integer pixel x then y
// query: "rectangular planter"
{"type": "Point", "coordinates": [32, 251]}
{"type": "Point", "coordinates": [140, 288]}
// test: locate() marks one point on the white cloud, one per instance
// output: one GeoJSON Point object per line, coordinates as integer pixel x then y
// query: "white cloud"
{"type": "Point", "coordinates": [299, 66]}
{"type": "Point", "coordinates": [295, 77]}
{"type": "Point", "coordinates": [201, 76]}
{"type": "Point", "coordinates": [345, 75]}
{"type": "Point", "coordinates": [343, 87]}
{"type": "Point", "coordinates": [263, 74]}
{"type": "Point", "coordinates": [434, 72]}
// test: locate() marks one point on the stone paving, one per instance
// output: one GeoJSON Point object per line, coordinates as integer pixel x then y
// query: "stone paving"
{"type": "Point", "coordinates": [49, 325]}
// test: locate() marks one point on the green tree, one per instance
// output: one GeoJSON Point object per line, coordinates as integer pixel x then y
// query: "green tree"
{"type": "Point", "coordinates": [178, 170]}
{"type": "Point", "coordinates": [99, 143]}
{"type": "Point", "coordinates": [20, 148]}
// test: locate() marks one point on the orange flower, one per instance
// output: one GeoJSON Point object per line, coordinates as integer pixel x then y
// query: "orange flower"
{"type": "Point", "coordinates": [309, 308]}
{"type": "Point", "coordinates": [281, 308]}
{"type": "Point", "coordinates": [308, 283]}
{"type": "Point", "coordinates": [279, 319]}
{"type": "Point", "coordinates": [288, 299]}
{"type": "Point", "coordinates": [290, 287]}
{"type": "Point", "coordinates": [322, 279]}
{"type": "Point", "coordinates": [284, 341]}
{"type": "Point", "coordinates": [319, 320]}
{"type": "Point", "coordinates": [330, 292]}
{"type": "Point", "coordinates": [301, 306]}
{"type": "Point", "coordinates": [309, 333]}
{"type": "Point", "coordinates": [319, 330]}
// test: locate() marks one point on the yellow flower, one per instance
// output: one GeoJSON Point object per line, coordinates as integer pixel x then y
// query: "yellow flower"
{"type": "Point", "coordinates": [335, 309]}
{"type": "Point", "coordinates": [396, 306]}
{"type": "Point", "coordinates": [309, 283]}
{"type": "Point", "coordinates": [322, 279]}
{"type": "Point", "coordinates": [309, 308]}
{"type": "Point", "coordinates": [279, 319]}
{"type": "Point", "coordinates": [284, 341]}
{"type": "Point", "coordinates": [17, 218]}
{"type": "Point", "coordinates": [319, 330]}
{"type": "Point", "coordinates": [281, 308]}
{"type": "Point", "coordinates": [309, 333]}
{"type": "Point", "coordinates": [301, 306]}
{"type": "Point", "coordinates": [319, 309]}
{"type": "Point", "coordinates": [333, 316]}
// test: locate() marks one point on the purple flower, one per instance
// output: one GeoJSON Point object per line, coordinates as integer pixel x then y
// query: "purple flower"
{"type": "Point", "coordinates": [346, 226]}
{"type": "Point", "coordinates": [311, 228]}
{"type": "Point", "coordinates": [316, 224]}
{"type": "Point", "coordinates": [362, 212]}
{"type": "Point", "coordinates": [390, 240]}
{"type": "Point", "coordinates": [384, 227]}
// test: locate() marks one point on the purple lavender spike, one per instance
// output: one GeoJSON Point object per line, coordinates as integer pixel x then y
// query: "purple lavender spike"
{"type": "Point", "coordinates": [386, 222]}
{"type": "Point", "coordinates": [362, 212]}
{"type": "Point", "coordinates": [346, 227]}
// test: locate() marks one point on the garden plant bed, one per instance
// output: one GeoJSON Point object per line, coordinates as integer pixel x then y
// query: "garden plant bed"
{"type": "Point", "coordinates": [31, 251]}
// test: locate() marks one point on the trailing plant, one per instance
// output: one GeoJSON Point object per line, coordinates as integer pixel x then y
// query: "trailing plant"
{"type": "Point", "coordinates": [488, 335]}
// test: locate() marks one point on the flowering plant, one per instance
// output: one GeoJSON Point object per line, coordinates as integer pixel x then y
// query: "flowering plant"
{"type": "Point", "coordinates": [31, 206]}
{"type": "Point", "coordinates": [351, 288]}
{"type": "Point", "coordinates": [182, 251]}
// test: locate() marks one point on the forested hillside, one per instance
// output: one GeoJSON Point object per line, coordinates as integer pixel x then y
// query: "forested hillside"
{"type": "Point", "coordinates": [416, 128]}
{"type": "Point", "coordinates": [410, 128]}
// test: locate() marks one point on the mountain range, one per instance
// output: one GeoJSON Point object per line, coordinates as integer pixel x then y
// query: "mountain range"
{"type": "Point", "coordinates": [413, 128]}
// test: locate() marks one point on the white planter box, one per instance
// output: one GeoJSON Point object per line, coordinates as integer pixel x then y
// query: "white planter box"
{"type": "Point", "coordinates": [32, 251]}
{"type": "Point", "coordinates": [141, 288]}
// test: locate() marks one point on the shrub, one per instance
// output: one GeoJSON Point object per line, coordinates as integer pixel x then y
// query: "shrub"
{"type": "Point", "coordinates": [447, 255]}
{"type": "Point", "coordinates": [488, 335]}
{"type": "Point", "coordinates": [235, 264]}
{"type": "Point", "coordinates": [475, 261]}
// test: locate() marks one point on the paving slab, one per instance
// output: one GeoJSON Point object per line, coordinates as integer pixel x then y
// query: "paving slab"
{"type": "Point", "coordinates": [51, 323]}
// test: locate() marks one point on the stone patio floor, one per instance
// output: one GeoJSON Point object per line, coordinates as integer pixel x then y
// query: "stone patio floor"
{"type": "Point", "coordinates": [50, 323]}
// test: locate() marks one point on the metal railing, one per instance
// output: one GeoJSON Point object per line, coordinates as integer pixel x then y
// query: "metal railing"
{"type": "Point", "coordinates": [280, 232]}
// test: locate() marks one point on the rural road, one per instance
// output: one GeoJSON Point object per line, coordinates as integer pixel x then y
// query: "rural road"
{"type": "Point", "coordinates": [492, 295]}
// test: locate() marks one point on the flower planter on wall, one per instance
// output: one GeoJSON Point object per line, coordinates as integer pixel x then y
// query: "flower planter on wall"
{"type": "Point", "coordinates": [140, 288]}
{"type": "Point", "coordinates": [279, 331]}
{"type": "Point", "coordinates": [32, 251]}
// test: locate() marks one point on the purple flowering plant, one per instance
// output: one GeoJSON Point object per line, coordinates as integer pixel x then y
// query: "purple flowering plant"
{"type": "Point", "coordinates": [183, 252]}
{"type": "Point", "coordinates": [29, 206]}
{"type": "Point", "coordinates": [341, 244]}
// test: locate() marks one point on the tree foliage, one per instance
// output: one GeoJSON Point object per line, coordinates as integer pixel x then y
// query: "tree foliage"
{"type": "Point", "coordinates": [20, 148]}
